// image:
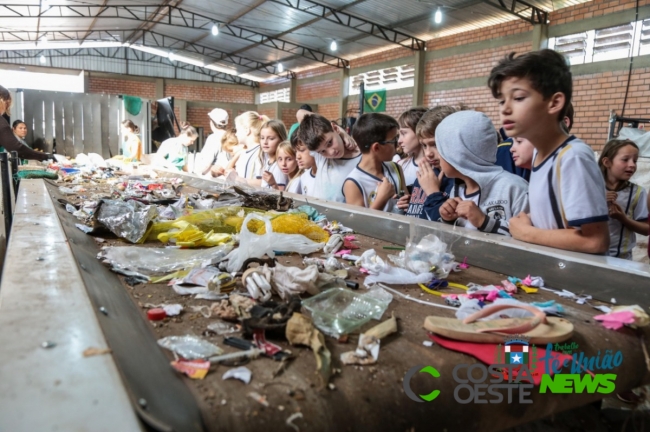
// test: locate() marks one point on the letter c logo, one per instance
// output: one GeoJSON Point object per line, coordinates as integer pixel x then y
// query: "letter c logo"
{"type": "Point", "coordinates": [407, 383]}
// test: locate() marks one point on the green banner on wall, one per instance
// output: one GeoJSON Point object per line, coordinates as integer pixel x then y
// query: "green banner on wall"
{"type": "Point", "coordinates": [374, 101]}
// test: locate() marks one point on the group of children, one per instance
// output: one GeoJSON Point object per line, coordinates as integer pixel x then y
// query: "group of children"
{"type": "Point", "coordinates": [548, 189]}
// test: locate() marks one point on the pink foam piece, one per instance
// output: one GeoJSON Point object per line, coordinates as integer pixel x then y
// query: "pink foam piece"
{"type": "Point", "coordinates": [363, 270]}
{"type": "Point", "coordinates": [343, 252]}
{"type": "Point", "coordinates": [528, 281]}
{"type": "Point", "coordinates": [615, 320]}
{"type": "Point", "coordinates": [350, 238]}
{"type": "Point", "coordinates": [492, 295]}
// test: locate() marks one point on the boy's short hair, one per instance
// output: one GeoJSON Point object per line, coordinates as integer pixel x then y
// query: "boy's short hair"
{"type": "Point", "coordinates": [371, 128]}
{"type": "Point", "coordinates": [295, 142]}
{"type": "Point", "coordinates": [547, 71]}
{"type": "Point", "coordinates": [426, 127]}
{"type": "Point", "coordinates": [569, 114]}
{"type": "Point", "coordinates": [312, 130]}
{"type": "Point", "coordinates": [410, 118]}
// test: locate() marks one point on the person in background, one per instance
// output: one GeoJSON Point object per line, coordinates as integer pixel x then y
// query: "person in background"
{"type": "Point", "coordinates": [506, 153]}
{"type": "Point", "coordinates": [8, 140]}
{"type": "Point", "coordinates": [485, 196]}
{"type": "Point", "coordinates": [272, 134]}
{"type": "Point", "coordinates": [212, 160]}
{"type": "Point", "coordinates": [132, 146]}
{"type": "Point", "coordinates": [626, 201]}
{"type": "Point", "coordinates": [568, 208]}
{"type": "Point", "coordinates": [20, 131]}
{"type": "Point", "coordinates": [376, 180]}
{"type": "Point", "coordinates": [335, 152]}
{"type": "Point", "coordinates": [307, 165]}
{"type": "Point", "coordinates": [409, 143]}
{"type": "Point", "coordinates": [288, 164]}
{"type": "Point", "coordinates": [230, 145]}
{"type": "Point", "coordinates": [431, 188]}
{"type": "Point", "coordinates": [247, 163]}
{"type": "Point", "coordinates": [172, 153]}
{"type": "Point", "coordinates": [303, 111]}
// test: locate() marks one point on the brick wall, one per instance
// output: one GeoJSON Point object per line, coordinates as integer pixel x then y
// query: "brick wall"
{"type": "Point", "coordinates": [486, 33]}
{"type": "Point", "coordinates": [199, 92]}
{"type": "Point", "coordinates": [470, 65]}
{"type": "Point", "coordinates": [595, 95]}
{"type": "Point", "coordinates": [288, 116]}
{"type": "Point", "coordinates": [329, 111]}
{"type": "Point", "coordinates": [121, 86]}
{"type": "Point", "coordinates": [319, 70]}
{"type": "Point", "coordinates": [317, 90]}
{"type": "Point", "coordinates": [382, 56]}
{"type": "Point", "coordinates": [592, 9]}
{"type": "Point", "coordinates": [477, 98]}
{"type": "Point", "coordinates": [269, 112]}
{"type": "Point", "coordinates": [396, 105]}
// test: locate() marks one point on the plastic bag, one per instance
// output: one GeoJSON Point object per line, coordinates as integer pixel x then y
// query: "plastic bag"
{"type": "Point", "coordinates": [255, 246]}
{"type": "Point", "coordinates": [128, 220]}
{"type": "Point", "coordinates": [190, 347]}
{"type": "Point", "coordinates": [187, 235]}
{"type": "Point", "coordinates": [160, 261]}
{"type": "Point", "coordinates": [382, 272]}
{"type": "Point", "coordinates": [427, 253]}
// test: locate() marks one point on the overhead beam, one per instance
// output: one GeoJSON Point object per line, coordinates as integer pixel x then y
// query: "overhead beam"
{"type": "Point", "coordinates": [119, 53]}
{"type": "Point", "coordinates": [362, 25]}
{"type": "Point", "coordinates": [151, 39]}
{"type": "Point", "coordinates": [169, 15]}
{"type": "Point", "coordinates": [521, 9]}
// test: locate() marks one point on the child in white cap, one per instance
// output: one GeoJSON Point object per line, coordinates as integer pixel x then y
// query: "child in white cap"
{"type": "Point", "coordinates": [212, 160]}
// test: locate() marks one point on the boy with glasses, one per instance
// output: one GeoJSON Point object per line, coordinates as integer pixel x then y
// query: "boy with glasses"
{"type": "Point", "coordinates": [376, 179]}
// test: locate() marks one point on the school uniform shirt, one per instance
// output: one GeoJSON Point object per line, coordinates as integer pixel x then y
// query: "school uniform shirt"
{"type": "Point", "coordinates": [397, 158]}
{"type": "Point", "coordinates": [307, 183]}
{"type": "Point", "coordinates": [248, 165]}
{"type": "Point", "coordinates": [330, 175]}
{"type": "Point", "coordinates": [171, 154]}
{"type": "Point", "coordinates": [505, 161]}
{"type": "Point", "coordinates": [294, 185]}
{"type": "Point", "coordinates": [211, 154]}
{"type": "Point", "coordinates": [633, 201]}
{"type": "Point", "coordinates": [281, 178]}
{"type": "Point", "coordinates": [367, 183]}
{"type": "Point", "coordinates": [410, 169]}
{"type": "Point", "coordinates": [472, 152]}
{"type": "Point", "coordinates": [425, 206]}
{"type": "Point", "coordinates": [567, 189]}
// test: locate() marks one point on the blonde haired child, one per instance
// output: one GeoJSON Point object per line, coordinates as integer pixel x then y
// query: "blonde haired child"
{"type": "Point", "coordinates": [247, 163]}
{"type": "Point", "coordinates": [272, 134]}
{"type": "Point", "coordinates": [628, 214]}
{"type": "Point", "coordinates": [288, 164]}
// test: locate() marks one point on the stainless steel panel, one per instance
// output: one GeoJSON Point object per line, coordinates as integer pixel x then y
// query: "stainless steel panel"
{"type": "Point", "coordinates": [34, 111]}
{"type": "Point", "coordinates": [87, 126]}
{"type": "Point", "coordinates": [115, 104]}
{"type": "Point", "coordinates": [58, 124]}
{"type": "Point", "coordinates": [104, 114]}
{"type": "Point", "coordinates": [68, 125]}
{"type": "Point", "coordinates": [77, 126]}
{"type": "Point", "coordinates": [48, 121]}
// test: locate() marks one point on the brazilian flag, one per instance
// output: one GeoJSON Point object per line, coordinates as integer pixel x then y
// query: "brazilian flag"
{"type": "Point", "coordinates": [374, 101]}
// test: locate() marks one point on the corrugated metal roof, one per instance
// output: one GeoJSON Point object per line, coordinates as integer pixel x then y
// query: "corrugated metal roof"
{"type": "Point", "coordinates": [278, 21]}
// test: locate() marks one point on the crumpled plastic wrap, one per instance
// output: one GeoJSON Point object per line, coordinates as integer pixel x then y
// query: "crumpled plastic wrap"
{"type": "Point", "coordinates": [161, 261]}
{"type": "Point", "coordinates": [128, 220]}
{"type": "Point", "coordinates": [379, 271]}
{"type": "Point", "coordinates": [255, 246]}
{"type": "Point", "coordinates": [427, 253]}
{"type": "Point", "coordinates": [190, 347]}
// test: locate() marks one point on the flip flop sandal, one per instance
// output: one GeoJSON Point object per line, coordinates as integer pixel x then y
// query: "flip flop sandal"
{"type": "Point", "coordinates": [539, 328]}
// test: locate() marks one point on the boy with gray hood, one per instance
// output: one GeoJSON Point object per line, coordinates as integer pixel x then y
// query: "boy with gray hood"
{"type": "Point", "coordinates": [484, 196]}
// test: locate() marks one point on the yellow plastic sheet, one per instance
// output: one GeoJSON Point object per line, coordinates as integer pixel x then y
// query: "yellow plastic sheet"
{"type": "Point", "coordinates": [187, 235]}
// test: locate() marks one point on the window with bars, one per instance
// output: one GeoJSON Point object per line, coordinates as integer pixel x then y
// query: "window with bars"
{"type": "Point", "coordinates": [386, 79]}
{"type": "Point", "coordinates": [621, 41]}
{"type": "Point", "coordinates": [280, 95]}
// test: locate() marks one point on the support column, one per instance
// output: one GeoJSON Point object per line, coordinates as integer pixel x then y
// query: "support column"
{"type": "Point", "coordinates": [540, 37]}
{"type": "Point", "coordinates": [418, 79]}
{"type": "Point", "coordinates": [345, 87]}
{"type": "Point", "coordinates": [86, 82]}
{"type": "Point", "coordinates": [293, 90]}
{"type": "Point", "coordinates": [182, 109]}
{"type": "Point", "coordinates": [160, 88]}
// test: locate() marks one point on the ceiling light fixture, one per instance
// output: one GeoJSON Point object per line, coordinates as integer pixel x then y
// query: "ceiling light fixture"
{"type": "Point", "coordinates": [215, 29]}
{"type": "Point", "coordinates": [280, 68]}
{"type": "Point", "coordinates": [333, 46]}
{"type": "Point", "coordinates": [171, 56]}
{"type": "Point", "coordinates": [438, 16]}
{"type": "Point", "coordinates": [43, 59]}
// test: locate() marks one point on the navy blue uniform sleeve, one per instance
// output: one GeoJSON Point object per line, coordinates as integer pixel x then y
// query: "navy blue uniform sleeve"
{"type": "Point", "coordinates": [504, 158]}
{"type": "Point", "coordinates": [431, 208]}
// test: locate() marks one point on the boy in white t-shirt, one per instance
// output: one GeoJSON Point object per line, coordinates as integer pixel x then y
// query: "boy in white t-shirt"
{"type": "Point", "coordinates": [335, 154]}
{"type": "Point", "coordinates": [307, 165]}
{"type": "Point", "coordinates": [568, 209]}
{"type": "Point", "coordinates": [374, 182]}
